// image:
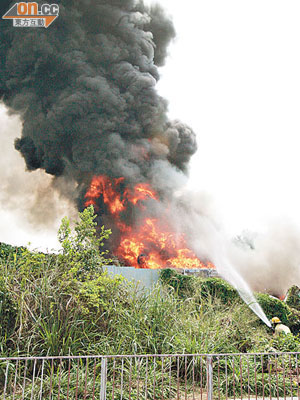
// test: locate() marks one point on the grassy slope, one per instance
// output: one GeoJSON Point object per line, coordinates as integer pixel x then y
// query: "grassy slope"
{"type": "Point", "coordinates": [43, 311]}
{"type": "Point", "coordinates": [54, 305]}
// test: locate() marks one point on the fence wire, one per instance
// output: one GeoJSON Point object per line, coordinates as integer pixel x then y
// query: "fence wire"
{"type": "Point", "coordinates": [152, 377]}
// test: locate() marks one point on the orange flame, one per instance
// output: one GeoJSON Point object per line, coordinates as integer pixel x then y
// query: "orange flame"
{"type": "Point", "coordinates": [102, 186]}
{"type": "Point", "coordinates": [142, 192]}
{"type": "Point", "coordinates": [152, 244]}
{"type": "Point", "coordinates": [158, 249]}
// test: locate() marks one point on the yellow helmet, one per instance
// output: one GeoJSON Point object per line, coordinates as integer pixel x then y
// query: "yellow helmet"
{"type": "Point", "coordinates": [276, 320]}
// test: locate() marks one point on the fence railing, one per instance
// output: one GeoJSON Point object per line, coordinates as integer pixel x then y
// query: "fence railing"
{"type": "Point", "coordinates": [149, 377]}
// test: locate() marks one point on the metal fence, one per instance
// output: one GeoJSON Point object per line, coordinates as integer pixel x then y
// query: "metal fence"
{"type": "Point", "coordinates": [149, 377]}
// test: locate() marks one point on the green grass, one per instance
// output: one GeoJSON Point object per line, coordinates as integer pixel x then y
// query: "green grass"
{"type": "Point", "coordinates": [65, 305]}
{"type": "Point", "coordinates": [51, 313]}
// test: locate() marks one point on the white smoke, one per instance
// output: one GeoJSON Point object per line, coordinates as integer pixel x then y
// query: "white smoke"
{"type": "Point", "coordinates": [31, 208]}
{"type": "Point", "coordinates": [273, 265]}
{"type": "Point", "coordinates": [267, 262]}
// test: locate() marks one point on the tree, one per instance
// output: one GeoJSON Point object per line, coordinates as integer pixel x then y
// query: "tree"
{"type": "Point", "coordinates": [81, 247]}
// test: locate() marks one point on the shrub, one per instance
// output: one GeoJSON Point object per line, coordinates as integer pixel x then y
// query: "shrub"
{"type": "Point", "coordinates": [64, 303]}
{"type": "Point", "coordinates": [183, 285]}
{"type": "Point", "coordinates": [286, 343]}
{"type": "Point", "coordinates": [81, 247]}
{"type": "Point", "coordinates": [209, 288]}
{"type": "Point", "coordinates": [293, 297]}
{"type": "Point", "coordinates": [8, 310]}
{"type": "Point", "coordinates": [276, 308]}
{"type": "Point", "coordinates": [9, 253]}
{"type": "Point", "coordinates": [218, 288]}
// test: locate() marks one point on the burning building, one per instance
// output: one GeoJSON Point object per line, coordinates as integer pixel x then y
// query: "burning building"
{"type": "Point", "coordinates": [85, 90]}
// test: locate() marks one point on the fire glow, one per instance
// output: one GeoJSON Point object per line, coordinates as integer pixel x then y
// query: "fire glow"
{"type": "Point", "coordinates": [151, 244]}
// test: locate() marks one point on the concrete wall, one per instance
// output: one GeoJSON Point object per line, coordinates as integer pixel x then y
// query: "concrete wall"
{"type": "Point", "coordinates": [146, 277]}
{"type": "Point", "coordinates": [149, 277]}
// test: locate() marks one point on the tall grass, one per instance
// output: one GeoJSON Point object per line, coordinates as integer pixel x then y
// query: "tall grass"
{"type": "Point", "coordinates": [108, 315]}
{"type": "Point", "coordinates": [47, 311]}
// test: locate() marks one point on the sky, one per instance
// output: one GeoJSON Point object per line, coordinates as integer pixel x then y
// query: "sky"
{"type": "Point", "coordinates": [233, 76]}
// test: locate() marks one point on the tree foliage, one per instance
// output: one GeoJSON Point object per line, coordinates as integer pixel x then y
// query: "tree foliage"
{"type": "Point", "coordinates": [81, 246]}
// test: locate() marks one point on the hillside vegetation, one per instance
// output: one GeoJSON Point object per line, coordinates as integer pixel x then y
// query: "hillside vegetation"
{"type": "Point", "coordinates": [64, 304]}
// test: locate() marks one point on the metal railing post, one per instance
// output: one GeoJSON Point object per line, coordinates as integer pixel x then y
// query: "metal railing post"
{"type": "Point", "coordinates": [103, 378]}
{"type": "Point", "coordinates": [6, 376]}
{"type": "Point", "coordinates": [209, 377]}
{"type": "Point", "coordinates": [214, 375]}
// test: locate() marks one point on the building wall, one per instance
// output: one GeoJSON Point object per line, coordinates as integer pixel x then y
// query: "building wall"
{"type": "Point", "coordinates": [146, 277]}
{"type": "Point", "coordinates": [149, 277]}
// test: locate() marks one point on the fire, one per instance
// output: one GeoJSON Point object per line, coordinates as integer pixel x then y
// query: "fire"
{"type": "Point", "coordinates": [142, 192]}
{"type": "Point", "coordinates": [159, 248]}
{"type": "Point", "coordinates": [110, 191]}
{"type": "Point", "coordinates": [151, 244]}
{"type": "Point", "coordinates": [102, 186]}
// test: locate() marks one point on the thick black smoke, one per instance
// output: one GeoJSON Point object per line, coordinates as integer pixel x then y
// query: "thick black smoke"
{"type": "Point", "coordinates": [85, 90]}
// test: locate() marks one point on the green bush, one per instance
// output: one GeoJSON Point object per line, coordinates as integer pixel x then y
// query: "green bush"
{"type": "Point", "coordinates": [9, 253]}
{"type": "Point", "coordinates": [61, 304]}
{"type": "Point", "coordinates": [81, 255]}
{"type": "Point", "coordinates": [64, 304]}
{"type": "Point", "coordinates": [293, 297]}
{"type": "Point", "coordinates": [218, 288]}
{"type": "Point", "coordinates": [286, 343]}
{"type": "Point", "coordinates": [276, 308]}
{"type": "Point", "coordinates": [8, 310]}
{"type": "Point", "coordinates": [184, 285]}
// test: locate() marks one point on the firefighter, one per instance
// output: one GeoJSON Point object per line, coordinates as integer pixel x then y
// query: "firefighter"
{"type": "Point", "coordinates": [279, 327]}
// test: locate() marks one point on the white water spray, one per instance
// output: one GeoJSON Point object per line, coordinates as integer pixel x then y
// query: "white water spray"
{"type": "Point", "coordinates": [227, 271]}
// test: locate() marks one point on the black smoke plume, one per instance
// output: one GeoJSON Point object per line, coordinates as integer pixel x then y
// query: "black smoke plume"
{"type": "Point", "coordinates": [85, 90]}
